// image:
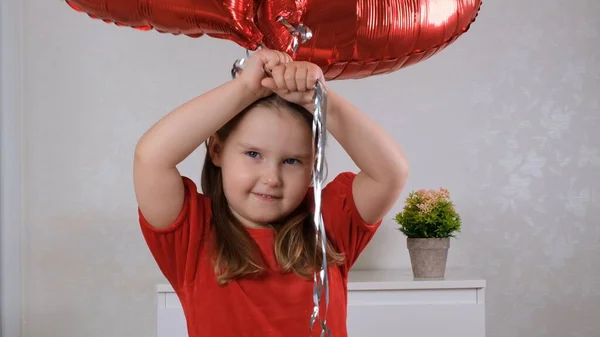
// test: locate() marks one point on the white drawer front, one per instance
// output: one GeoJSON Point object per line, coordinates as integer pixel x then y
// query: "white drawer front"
{"type": "Point", "coordinates": [419, 313]}
{"type": "Point", "coordinates": [382, 313]}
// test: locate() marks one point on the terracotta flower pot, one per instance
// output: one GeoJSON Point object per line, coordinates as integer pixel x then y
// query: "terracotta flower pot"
{"type": "Point", "coordinates": [428, 256]}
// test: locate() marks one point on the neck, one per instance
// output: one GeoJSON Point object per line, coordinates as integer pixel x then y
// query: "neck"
{"type": "Point", "coordinates": [247, 223]}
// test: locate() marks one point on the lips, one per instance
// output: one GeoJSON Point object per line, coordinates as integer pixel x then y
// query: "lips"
{"type": "Point", "coordinates": [267, 196]}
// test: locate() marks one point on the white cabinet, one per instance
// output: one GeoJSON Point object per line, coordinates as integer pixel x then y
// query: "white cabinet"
{"type": "Point", "coordinates": [391, 303]}
{"type": "Point", "coordinates": [384, 303]}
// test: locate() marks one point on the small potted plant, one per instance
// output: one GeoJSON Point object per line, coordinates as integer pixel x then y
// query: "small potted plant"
{"type": "Point", "coordinates": [428, 220]}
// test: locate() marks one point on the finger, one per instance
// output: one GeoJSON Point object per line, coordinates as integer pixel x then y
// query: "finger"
{"type": "Point", "coordinates": [301, 74]}
{"type": "Point", "coordinates": [271, 61]}
{"type": "Point", "coordinates": [314, 74]}
{"type": "Point", "coordinates": [273, 57]}
{"type": "Point", "coordinates": [269, 83]}
{"type": "Point", "coordinates": [290, 77]}
{"type": "Point", "coordinates": [287, 58]}
{"type": "Point", "coordinates": [278, 76]}
{"type": "Point", "coordinates": [282, 57]}
{"type": "Point", "coordinates": [311, 79]}
{"type": "Point", "coordinates": [308, 99]}
{"type": "Point", "coordinates": [296, 97]}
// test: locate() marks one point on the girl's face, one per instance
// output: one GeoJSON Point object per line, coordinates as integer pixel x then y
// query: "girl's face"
{"type": "Point", "coordinates": [266, 163]}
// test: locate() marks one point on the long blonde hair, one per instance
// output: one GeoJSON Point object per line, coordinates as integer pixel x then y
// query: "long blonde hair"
{"type": "Point", "coordinates": [235, 252]}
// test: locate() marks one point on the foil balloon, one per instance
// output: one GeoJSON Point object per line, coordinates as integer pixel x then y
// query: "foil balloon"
{"type": "Point", "coordinates": [355, 38]}
{"type": "Point", "coordinates": [225, 19]}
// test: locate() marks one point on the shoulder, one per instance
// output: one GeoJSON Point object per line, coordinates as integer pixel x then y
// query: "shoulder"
{"type": "Point", "coordinates": [336, 196]}
{"type": "Point", "coordinates": [198, 203]}
{"type": "Point", "coordinates": [196, 209]}
{"type": "Point", "coordinates": [191, 190]}
{"type": "Point", "coordinates": [341, 182]}
{"type": "Point", "coordinates": [177, 248]}
{"type": "Point", "coordinates": [345, 227]}
{"type": "Point", "coordinates": [339, 186]}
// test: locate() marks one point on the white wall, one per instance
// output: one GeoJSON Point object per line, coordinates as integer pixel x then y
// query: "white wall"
{"type": "Point", "coordinates": [10, 168]}
{"type": "Point", "coordinates": [511, 132]}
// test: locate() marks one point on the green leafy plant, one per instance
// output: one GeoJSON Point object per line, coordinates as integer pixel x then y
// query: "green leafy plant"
{"type": "Point", "coordinates": [429, 214]}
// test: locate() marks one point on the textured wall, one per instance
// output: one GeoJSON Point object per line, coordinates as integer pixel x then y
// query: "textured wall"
{"type": "Point", "coordinates": [507, 119]}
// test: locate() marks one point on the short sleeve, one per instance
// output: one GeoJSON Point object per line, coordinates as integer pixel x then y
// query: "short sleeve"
{"type": "Point", "coordinates": [343, 223]}
{"type": "Point", "coordinates": [176, 248]}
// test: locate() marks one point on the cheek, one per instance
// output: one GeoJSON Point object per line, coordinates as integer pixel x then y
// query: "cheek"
{"type": "Point", "coordinates": [239, 172]}
{"type": "Point", "coordinates": [299, 181]}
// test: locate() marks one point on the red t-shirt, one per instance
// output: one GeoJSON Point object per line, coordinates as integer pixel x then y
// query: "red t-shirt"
{"type": "Point", "coordinates": [276, 304]}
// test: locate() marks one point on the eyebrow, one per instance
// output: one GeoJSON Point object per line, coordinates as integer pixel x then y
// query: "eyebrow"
{"type": "Point", "coordinates": [251, 147]}
{"type": "Point", "coordinates": [247, 146]}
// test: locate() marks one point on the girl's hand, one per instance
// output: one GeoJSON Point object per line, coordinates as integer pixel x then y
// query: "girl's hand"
{"type": "Point", "coordinates": [259, 66]}
{"type": "Point", "coordinates": [295, 82]}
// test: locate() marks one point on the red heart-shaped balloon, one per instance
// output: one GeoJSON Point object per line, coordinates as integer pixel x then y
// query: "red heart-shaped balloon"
{"type": "Point", "coordinates": [360, 38]}
{"type": "Point", "coordinates": [225, 19]}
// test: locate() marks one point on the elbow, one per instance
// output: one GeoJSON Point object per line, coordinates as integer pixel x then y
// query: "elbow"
{"type": "Point", "coordinates": [141, 153]}
{"type": "Point", "coordinates": [394, 174]}
{"type": "Point", "coordinates": [404, 169]}
{"type": "Point", "coordinates": [400, 175]}
{"type": "Point", "coordinates": [146, 155]}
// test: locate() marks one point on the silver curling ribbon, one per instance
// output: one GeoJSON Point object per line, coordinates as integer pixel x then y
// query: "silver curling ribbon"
{"type": "Point", "coordinates": [302, 34]}
{"type": "Point", "coordinates": [238, 65]}
{"type": "Point", "coordinates": [321, 277]}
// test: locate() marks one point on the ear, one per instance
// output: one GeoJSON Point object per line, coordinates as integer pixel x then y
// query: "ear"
{"type": "Point", "coordinates": [215, 150]}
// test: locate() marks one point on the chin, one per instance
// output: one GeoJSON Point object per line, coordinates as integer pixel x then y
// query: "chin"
{"type": "Point", "coordinates": [266, 219]}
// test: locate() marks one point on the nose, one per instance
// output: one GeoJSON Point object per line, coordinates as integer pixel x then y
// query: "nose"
{"type": "Point", "coordinates": [272, 176]}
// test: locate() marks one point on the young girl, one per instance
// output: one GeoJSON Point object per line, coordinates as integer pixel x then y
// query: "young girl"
{"type": "Point", "coordinates": [240, 255]}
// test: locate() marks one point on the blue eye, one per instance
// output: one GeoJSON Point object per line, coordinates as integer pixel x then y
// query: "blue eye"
{"type": "Point", "coordinates": [252, 154]}
{"type": "Point", "coordinates": [291, 161]}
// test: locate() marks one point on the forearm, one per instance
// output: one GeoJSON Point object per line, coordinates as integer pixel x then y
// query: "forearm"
{"type": "Point", "coordinates": [369, 146]}
{"type": "Point", "coordinates": [180, 132]}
